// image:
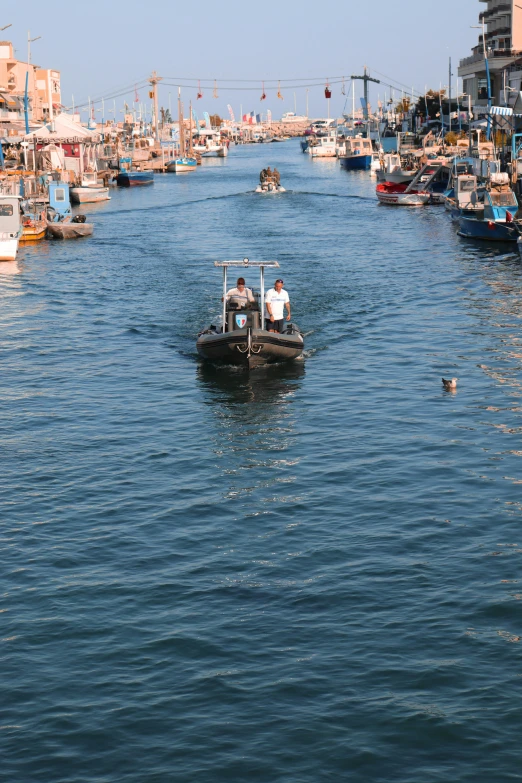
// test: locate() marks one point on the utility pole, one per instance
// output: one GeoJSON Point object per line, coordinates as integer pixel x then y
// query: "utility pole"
{"type": "Point", "coordinates": [365, 78]}
{"type": "Point", "coordinates": [154, 79]}
{"type": "Point", "coordinates": [449, 94]}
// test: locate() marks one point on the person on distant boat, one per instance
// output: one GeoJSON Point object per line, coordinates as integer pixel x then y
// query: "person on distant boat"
{"type": "Point", "coordinates": [276, 300]}
{"type": "Point", "coordinates": [241, 295]}
{"type": "Point", "coordinates": [277, 177]}
{"type": "Point", "coordinates": [262, 177]}
{"type": "Point", "coordinates": [268, 173]}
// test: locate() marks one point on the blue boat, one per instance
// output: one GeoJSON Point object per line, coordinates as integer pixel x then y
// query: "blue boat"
{"type": "Point", "coordinates": [128, 177]}
{"type": "Point", "coordinates": [497, 221]}
{"type": "Point", "coordinates": [355, 153]}
{"type": "Point", "coordinates": [183, 165]}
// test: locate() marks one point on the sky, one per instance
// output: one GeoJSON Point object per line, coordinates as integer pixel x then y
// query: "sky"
{"type": "Point", "coordinates": [104, 47]}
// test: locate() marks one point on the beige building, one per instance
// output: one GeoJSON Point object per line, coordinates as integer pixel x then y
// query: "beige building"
{"type": "Point", "coordinates": [502, 21]}
{"type": "Point", "coordinates": [43, 86]}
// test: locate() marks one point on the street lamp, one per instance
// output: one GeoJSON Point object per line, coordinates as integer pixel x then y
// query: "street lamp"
{"type": "Point", "coordinates": [488, 82]}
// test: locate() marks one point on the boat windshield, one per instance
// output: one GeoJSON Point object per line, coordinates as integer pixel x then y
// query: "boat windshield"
{"type": "Point", "coordinates": [505, 199]}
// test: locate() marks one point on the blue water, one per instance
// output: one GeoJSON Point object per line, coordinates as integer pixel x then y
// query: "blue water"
{"type": "Point", "coordinates": [312, 573]}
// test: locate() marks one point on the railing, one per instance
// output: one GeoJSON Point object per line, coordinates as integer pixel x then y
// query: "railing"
{"type": "Point", "coordinates": [492, 54]}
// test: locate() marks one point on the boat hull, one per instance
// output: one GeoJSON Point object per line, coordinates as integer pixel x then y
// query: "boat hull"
{"type": "Point", "coordinates": [396, 196]}
{"type": "Point", "coordinates": [35, 232]}
{"type": "Point", "coordinates": [69, 230]}
{"type": "Point", "coordinates": [488, 230]}
{"type": "Point", "coordinates": [249, 347]}
{"type": "Point", "coordinates": [130, 179]}
{"type": "Point", "coordinates": [356, 162]}
{"type": "Point", "coordinates": [183, 166]}
{"type": "Point", "coordinates": [89, 195]}
{"type": "Point", "coordinates": [8, 249]}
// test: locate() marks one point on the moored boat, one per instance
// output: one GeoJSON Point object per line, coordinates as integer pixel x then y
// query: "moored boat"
{"type": "Point", "coordinates": [355, 153]}
{"type": "Point", "coordinates": [34, 223]}
{"type": "Point", "coordinates": [90, 191]}
{"type": "Point", "coordinates": [243, 338]}
{"type": "Point", "coordinates": [10, 226]}
{"type": "Point", "coordinates": [498, 221]}
{"type": "Point", "coordinates": [182, 165]}
{"type": "Point", "coordinates": [397, 194]}
{"type": "Point", "coordinates": [60, 223]}
{"type": "Point", "coordinates": [129, 177]}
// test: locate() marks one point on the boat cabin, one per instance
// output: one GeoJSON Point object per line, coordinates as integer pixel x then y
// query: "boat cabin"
{"type": "Point", "coordinates": [467, 195]}
{"type": "Point", "coordinates": [59, 201]}
{"type": "Point", "coordinates": [500, 199]}
{"type": "Point", "coordinates": [10, 219]}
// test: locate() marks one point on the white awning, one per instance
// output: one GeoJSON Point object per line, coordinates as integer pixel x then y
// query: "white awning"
{"type": "Point", "coordinates": [503, 111]}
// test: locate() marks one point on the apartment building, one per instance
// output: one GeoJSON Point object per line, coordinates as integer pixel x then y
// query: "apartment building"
{"type": "Point", "coordinates": [501, 41]}
{"type": "Point", "coordinates": [43, 87]}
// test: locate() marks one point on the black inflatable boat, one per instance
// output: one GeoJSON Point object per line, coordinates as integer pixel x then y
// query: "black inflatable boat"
{"type": "Point", "coordinates": [243, 339]}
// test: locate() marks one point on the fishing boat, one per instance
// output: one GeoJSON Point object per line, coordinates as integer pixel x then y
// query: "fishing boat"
{"type": "Point", "coordinates": [10, 226]}
{"type": "Point", "coordinates": [60, 222]}
{"type": "Point", "coordinates": [90, 190]}
{"type": "Point", "coordinates": [355, 153]}
{"type": "Point", "coordinates": [185, 163]}
{"type": "Point", "coordinates": [322, 146]}
{"type": "Point", "coordinates": [243, 338]}
{"type": "Point", "coordinates": [433, 178]}
{"type": "Point", "coordinates": [34, 223]}
{"type": "Point", "coordinates": [497, 221]}
{"type": "Point", "coordinates": [129, 177]}
{"type": "Point", "coordinates": [209, 144]}
{"type": "Point", "coordinates": [398, 194]}
{"type": "Point", "coordinates": [392, 169]}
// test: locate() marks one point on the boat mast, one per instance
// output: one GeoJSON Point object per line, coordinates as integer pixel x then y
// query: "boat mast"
{"type": "Point", "coordinates": [190, 147]}
{"type": "Point", "coordinates": [181, 128]}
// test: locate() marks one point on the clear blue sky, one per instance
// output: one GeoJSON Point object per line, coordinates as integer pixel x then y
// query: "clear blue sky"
{"type": "Point", "coordinates": [101, 46]}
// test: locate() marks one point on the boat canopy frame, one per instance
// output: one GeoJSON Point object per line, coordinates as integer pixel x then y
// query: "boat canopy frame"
{"type": "Point", "coordinates": [246, 264]}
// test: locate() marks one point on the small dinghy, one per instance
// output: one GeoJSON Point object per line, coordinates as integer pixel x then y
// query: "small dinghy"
{"type": "Point", "coordinates": [270, 182]}
{"type": "Point", "coordinates": [60, 222]}
{"type": "Point", "coordinates": [400, 195]}
{"type": "Point", "coordinates": [244, 339]}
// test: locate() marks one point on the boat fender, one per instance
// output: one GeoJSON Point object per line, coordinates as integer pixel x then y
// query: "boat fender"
{"type": "Point", "coordinates": [491, 224]}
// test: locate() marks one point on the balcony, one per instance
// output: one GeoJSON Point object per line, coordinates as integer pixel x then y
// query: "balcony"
{"type": "Point", "coordinates": [493, 55]}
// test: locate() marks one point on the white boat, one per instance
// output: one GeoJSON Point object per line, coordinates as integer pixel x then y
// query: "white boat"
{"type": "Point", "coordinates": [10, 226]}
{"type": "Point", "coordinates": [398, 195]}
{"type": "Point", "coordinates": [90, 190]}
{"type": "Point", "coordinates": [290, 116]}
{"type": "Point", "coordinates": [209, 144]}
{"type": "Point", "coordinates": [391, 170]}
{"type": "Point", "coordinates": [322, 146]}
{"type": "Point", "coordinates": [183, 165]}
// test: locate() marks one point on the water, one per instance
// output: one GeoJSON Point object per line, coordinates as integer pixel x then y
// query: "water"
{"type": "Point", "coordinates": [311, 573]}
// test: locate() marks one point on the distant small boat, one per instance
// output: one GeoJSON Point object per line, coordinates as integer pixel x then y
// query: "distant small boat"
{"type": "Point", "coordinates": [90, 191]}
{"type": "Point", "coordinates": [182, 165]}
{"type": "Point", "coordinates": [397, 194]}
{"type": "Point", "coordinates": [128, 177]}
{"type": "Point", "coordinates": [10, 227]}
{"type": "Point", "coordinates": [322, 146]}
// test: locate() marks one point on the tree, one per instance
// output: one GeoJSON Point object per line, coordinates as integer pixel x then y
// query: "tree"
{"type": "Point", "coordinates": [216, 121]}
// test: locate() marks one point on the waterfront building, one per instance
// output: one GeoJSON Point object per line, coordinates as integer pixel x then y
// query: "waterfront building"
{"type": "Point", "coordinates": [502, 41]}
{"type": "Point", "coordinates": [43, 88]}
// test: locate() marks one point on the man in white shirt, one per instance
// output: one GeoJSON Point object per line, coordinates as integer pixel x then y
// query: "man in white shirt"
{"type": "Point", "coordinates": [276, 300]}
{"type": "Point", "coordinates": [241, 294]}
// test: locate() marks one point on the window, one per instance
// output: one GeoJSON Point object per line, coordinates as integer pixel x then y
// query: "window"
{"type": "Point", "coordinates": [59, 194]}
{"type": "Point", "coordinates": [6, 210]}
{"type": "Point", "coordinates": [482, 88]}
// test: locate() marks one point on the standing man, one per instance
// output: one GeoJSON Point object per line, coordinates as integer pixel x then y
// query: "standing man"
{"type": "Point", "coordinates": [276, 299]}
